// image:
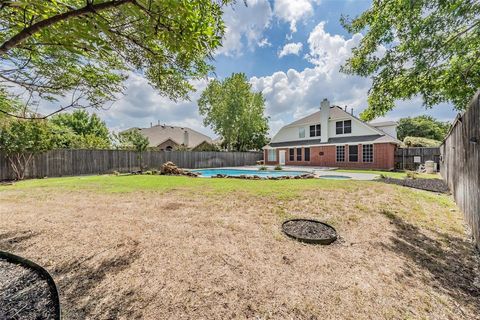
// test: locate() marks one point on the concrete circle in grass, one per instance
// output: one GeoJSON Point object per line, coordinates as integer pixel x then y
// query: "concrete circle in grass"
{"type": "Point", "coordinates": [309, 231]}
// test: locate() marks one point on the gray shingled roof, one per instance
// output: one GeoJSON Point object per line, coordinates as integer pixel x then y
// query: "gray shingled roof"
{"type": "Point", "coordinates": [161, 133]}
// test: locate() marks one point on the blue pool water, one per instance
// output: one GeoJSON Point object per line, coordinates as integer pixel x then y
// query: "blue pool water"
{"type": "Point", "coordinates": [238, 172]}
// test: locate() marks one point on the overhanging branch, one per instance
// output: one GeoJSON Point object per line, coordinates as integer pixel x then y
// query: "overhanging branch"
{"type": "Point", "coordinates": [36, 27]}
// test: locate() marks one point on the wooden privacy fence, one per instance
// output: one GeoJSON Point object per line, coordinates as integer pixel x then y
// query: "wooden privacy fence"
{"type": "Point", "coordinates": [460, 164]}
{"type": "Point", "coordinates": [57, 163]}
{"type": "Point", "coordinates": [411, 158]}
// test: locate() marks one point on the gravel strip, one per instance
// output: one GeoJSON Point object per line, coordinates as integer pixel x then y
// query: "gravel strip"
{"type": "Point", "coordinates": [24, 294]}
{"type": "Point", "coordinates": [435, 185]}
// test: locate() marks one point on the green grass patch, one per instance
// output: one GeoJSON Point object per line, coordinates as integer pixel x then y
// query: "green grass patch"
{"type": "Point", "coordinates": [281, 189]}
{"type": "Point", "coordinates": [391, 174]}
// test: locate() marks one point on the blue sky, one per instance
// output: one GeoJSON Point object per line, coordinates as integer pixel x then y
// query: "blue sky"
{"type": "Point", "coordinates": [291, 50]}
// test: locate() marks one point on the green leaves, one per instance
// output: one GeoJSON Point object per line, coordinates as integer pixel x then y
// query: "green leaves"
{"type": "Point", "coordinates": [80, 130]}
{"type": "Point", "coordinates": [54, 49]}
{"type": "Point", "coordinates": [422, 126]}
{"type": "Point", "coordinates": [132, 139]}
{"type": "Point", "coordinates": [420, 48]}
{"type": "Point", "coordinates": [235, 112]}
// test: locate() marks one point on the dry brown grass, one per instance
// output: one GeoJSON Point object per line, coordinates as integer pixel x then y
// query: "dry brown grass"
{"type": "Point", "coordinates": [191, 255]}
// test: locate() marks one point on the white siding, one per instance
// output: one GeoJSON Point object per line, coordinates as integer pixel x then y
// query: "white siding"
{"type": "Point", "coordinates": [358, 129]}
{"type": "Point", "coordinates": [390, 130]}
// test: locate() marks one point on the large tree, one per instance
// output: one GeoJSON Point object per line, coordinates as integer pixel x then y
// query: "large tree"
{"type": "Point", "coordinates": [422, 126]}
{"type": "Point", "coordinates": [133, 139]}
{"type": "Point", "coordinates": [77, 53]}
{"type": "Point", "coordinates": [235, 112]}
{"type": "Point", "coordinates": [21, 140]}
{"type": "Point", "coordinates": [89, 131]}
{"type": "Point", "coordinates": [426, 48]}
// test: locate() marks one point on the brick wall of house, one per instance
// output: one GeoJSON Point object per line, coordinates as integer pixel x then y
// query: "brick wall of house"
{"type": "Point", "coordinates": [325, 156]}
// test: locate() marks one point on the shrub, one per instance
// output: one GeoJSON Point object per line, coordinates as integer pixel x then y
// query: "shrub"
{"type": "Point", "coordinates": [278, 167]}
{"type": "Point", "coordinates": [262, 168]}
{"type": "Point", "coordinates": [412, 175]}
{"type": "Point", "coordinates": [383, 176]}
{"type": "Point", "coordinates": [420, 142]}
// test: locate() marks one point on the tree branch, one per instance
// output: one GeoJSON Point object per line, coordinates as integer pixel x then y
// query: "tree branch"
{"type": "Point", "coordinates": [36, 27]}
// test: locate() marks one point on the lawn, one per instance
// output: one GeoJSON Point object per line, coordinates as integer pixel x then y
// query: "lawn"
{"type": "Point", "coordinates": [155, 247]}
{"type": "Point", "coordinates": [391, 174]}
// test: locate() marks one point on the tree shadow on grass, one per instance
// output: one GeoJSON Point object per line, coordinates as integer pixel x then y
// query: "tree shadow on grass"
{"type": "Point", "coordinates": [85, 292]}
{"type": "Point", "coordinates": [451, 263]}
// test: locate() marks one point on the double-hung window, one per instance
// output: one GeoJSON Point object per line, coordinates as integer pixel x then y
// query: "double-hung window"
{"type": "Point", "coordinates": [291, 154]}
{"type": "Point", "coordinates": [299, 154]}
{"type": "Point", "coordinates": [306, 154]}
{"type": "Point", "coordinates": [342, 127]}
{"type": "Point", "coordinates": [315, 130]}
{"type": "Point", "coordinates": [367, 153]}
{"type": "Point", "coordinates": [353, 153]}
{"type": "Point", "coordinates": [301, 132]}
{"type": "Point", "coordinates": [272, 155]}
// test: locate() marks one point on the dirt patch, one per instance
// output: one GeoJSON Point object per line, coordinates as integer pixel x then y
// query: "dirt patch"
{"type": "Point", "coordinates": [24, 294]}
{"type": "Point", "coordinates": [434, 185]}
{"type": "Point", "coordinates": [223, 256]}
{"type": "Point", "coordinates": [309, 231]}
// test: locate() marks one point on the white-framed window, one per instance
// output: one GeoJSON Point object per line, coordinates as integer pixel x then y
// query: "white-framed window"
{"type": "Point", "coordinates": [340, 154]}
{"type": "Point", "coordinates": [301, 132]}
{"type": "Point", "coordinates": [342, 127]}
{"type": "Point", "coordinates": [272, 155]}
{"type": "Point", "coordinates": [315, 130]}
{"type": "Point", "coordinates": [367, 153]}
{"type": "Point", "coordinates": [353, 153]}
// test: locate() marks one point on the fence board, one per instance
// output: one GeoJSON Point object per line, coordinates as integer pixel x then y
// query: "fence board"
{"type": "Point", "coordinates": [460, 168]}
{"type": "Point", "coordinates": [404, 157]}
{"type": "Point", "coordinates": [58, 163]}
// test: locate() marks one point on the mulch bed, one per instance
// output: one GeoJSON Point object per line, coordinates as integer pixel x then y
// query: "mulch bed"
{"type": "Point", "coordinates": [309, 230]}
{"type": "Point", "coordinates": [24, 294]}
{"type": "Point", "coordinates": [435, 185]}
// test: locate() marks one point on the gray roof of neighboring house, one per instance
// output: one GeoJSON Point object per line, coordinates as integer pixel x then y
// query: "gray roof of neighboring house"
{"type": "Point", "coordinates": [376, 138]}
{"type": "Point", "coordinates": [161, 133]}
{"type": "Point", "coordinates": [383, 123]}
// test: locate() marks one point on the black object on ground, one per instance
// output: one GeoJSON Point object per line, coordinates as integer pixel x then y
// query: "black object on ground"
{"type": "Point", "coordinates": [27, 291]}
{"type": "Point", "coordinates": [309, 231]}
{"type": "Point", "coordinates": [434, 185]}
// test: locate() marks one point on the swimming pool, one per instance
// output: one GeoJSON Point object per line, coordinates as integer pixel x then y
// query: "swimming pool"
{"type": "Point", "coordinates": [207, 173]}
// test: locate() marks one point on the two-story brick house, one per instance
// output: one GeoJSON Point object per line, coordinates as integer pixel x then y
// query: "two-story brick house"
{"type": "Point", "coordinates": [332, 137]}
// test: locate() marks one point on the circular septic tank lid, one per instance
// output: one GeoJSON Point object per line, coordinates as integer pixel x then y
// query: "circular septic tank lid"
{"type": "Point", "coordinates": [309, 231]}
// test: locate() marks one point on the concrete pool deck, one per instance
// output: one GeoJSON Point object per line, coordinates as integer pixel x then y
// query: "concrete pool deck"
{"type": "Point", "coordinates": [317, 171]}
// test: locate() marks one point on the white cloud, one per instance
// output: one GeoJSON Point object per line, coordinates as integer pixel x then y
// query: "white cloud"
{"type": "Point", "coordinates": [245, 23]}
{"type": "Point", "coordinates": [293, 94]}
{"type": "Point", "coordinates": [329, 51]}
{"type": "Point", "coordinates": [293, 11]}
{"type": "Point", "coordinates": [264, 43]}
{"type": "Point", "coordinates": [290, 48]}
{"type": "Point", "coordinates": [141, 105]}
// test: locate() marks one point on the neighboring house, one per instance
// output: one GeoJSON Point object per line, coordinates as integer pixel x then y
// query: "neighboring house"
{"type": "Point", "coordinates": [332, 137]}
{"type": "Point", "coordinates": [165, 137]}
